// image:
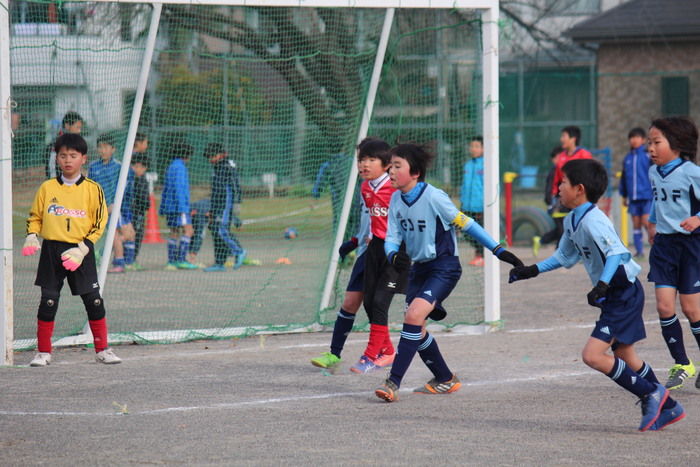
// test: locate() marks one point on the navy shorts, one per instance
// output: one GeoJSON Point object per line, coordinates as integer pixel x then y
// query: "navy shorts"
{"type": "Point", "coordinates": [357, 278]}
{"type": "Point", "coordinates": [433, 281]}
{"type": "Point", "coordinates": [640, 207]}
{"type": "Point", "coordinates": [674, 261]}
{"type": "Point", "coordinates": [621, 318]}
{"type": "Point", "coordinates": [50, 274]}
{"type": "Point", "coordinates": [177, 220]}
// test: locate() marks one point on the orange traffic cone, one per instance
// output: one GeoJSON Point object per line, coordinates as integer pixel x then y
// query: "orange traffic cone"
{"type": "Point", "coordinates": [152, 229]}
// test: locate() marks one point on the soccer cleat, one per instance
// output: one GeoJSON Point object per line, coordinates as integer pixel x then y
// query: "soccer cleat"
{"type": "Point", "coordinates": [239, 259]}
{"type": "Point", "coordinates": [107, 357]}
{"type": "Point", "coordinates": [41, 359]}
{"type": "Point", "coordinates": [477, 261]}
{"type": "Point", "coordinates": [388, 391]}
{"type": "Point", "coordinates": [365, 365]}
{"type": "Point", "coordinates": [326, 360]}
{"type": "Point", "coordinates": [435, 387]}
{"type": "Point", "coordinates": [667, 417]}
{"type": "Point", "coordinates": [171, 267]}
{"type": "Point", "coordinates": [678, 374]}
{"type": "Point", "coordinates": [215, 268]}
{"type": "Point", "coordinates": [134, 267]}
{"type": "Point", "coordinates": [186, 265]}
{"type": "Point", "coordinates": [384, 361]}
{"type": "Point", "coordinates": [116, 270]}
{"type": "Point", "coordinates": [651, 406]}
{"type": "Point", "coordinates": [536, 244]}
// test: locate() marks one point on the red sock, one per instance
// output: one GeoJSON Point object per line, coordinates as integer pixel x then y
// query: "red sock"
{"type": "Point", "coordinates": [387, 347]}
{"type": "Point", "coordinates": [44, 332]}
{"type": "Point", "coordinates": [99, 334]}
{"type": "Point", "coordinates": [377, 334]}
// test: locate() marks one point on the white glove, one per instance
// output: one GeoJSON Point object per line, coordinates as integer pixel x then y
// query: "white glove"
{"type": "Point", "coordinates": [237, 209]}
{"type": "Point", "coordinates": [31, 245]}
{"type": "Point", "coordinates": [73, 257]}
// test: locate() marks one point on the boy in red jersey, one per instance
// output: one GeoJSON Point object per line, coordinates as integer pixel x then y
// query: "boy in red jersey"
{"type": "Point", "coordinates": [70, 213]}
{"type": "Point", "coordinates": [381, 279]}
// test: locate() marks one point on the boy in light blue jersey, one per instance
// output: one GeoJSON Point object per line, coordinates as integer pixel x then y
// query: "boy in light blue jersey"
{"type": "Point", "coordinates": [674, 233]}
{"type": "Point", "coordinates": [425, 219]}
{"type": "Point", "coordinates": [589, 236]}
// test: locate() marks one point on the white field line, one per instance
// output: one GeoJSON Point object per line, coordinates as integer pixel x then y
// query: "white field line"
{"type": "Point", "coordinates": [275, 400]}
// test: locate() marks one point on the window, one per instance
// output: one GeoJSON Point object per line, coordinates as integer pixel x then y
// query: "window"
{"type": "Point", "coordinates": [675, 95]}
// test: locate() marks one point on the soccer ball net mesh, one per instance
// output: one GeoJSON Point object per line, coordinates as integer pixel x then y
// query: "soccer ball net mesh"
{"type": "Point", "coordinates": [282, 90]}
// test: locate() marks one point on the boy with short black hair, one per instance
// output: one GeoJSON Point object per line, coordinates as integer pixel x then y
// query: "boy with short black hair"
{"type": "Point", "coordinates": [175, 206]}
{"type": "Point", "coordinates": [225, 205]}
{"type": "Point", "coordinates": [589, 236]}
{"type": "Point", "coordinates": [381, 281]}
{"type": "Point", "coordinates": [70, 213]}
{"type": "Point", "coordinates": [106, 172]}
{"type": "Point", "coordinates": [140, 203]}
{"type": "Point", "coordinates": [424, 218]}
{"type": "Point", "coordinates": [635, 187]}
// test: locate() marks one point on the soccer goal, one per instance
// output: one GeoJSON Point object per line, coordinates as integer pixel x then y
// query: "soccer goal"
{"type": "Point", "coordinates": [287, 89]}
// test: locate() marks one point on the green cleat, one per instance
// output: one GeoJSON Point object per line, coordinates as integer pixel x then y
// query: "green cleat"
{"type": "Point", "coordinates": [326, 360]}
{"type": "Point", "coordinates": [186, 265]}
{"type": "Point", "coordinates": [678, 374]}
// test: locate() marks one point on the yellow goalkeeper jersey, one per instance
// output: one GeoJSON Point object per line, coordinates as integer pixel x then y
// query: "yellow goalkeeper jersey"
{"type": "Point", "coordinates": [68, 213]}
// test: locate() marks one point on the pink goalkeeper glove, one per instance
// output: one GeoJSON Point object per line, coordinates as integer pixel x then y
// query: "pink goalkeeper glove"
{"type": "Point", "coordinates": [73, 257]}
{"type": "Point", "coordinates": [31, 245]}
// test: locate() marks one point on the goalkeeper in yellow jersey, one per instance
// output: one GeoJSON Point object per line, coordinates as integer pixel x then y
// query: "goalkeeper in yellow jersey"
{"type": "Point", "coordinates": [70, 213]}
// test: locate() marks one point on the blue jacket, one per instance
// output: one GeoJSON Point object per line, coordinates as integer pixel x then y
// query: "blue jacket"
{"type": "Point", "coordinates": [176, 189]}
{"type": "Point", "coordinates": [472, 194]}
{"type": "Point", "coordinates": [635, 184]}
{"type": "Point", "coordinates": [107, 175]}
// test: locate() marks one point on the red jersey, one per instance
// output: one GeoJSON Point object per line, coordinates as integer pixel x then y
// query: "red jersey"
{"type": "Point", "coordinates": [580, 153]}
{"type": "Point", "coordinates": [377, 194]}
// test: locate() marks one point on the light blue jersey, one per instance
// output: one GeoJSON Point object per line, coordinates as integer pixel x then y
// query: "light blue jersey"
{"type": "Point", "coordinates": [590, 236]}
{"type": "Point", "coordinates": [425, 224]}
{"type": "Point", "coordinates": [676, 195]}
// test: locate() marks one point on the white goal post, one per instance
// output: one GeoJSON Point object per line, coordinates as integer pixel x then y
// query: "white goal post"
{"type": "Point", "coordinates": [490, 108]}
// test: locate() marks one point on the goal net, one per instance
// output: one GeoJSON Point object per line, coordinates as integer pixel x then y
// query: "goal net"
{"type": "Point", "coordinates": [278, 92]}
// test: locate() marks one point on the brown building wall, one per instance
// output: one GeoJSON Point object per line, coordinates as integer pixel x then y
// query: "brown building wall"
{"type": "Point", "coordinates": [629, 87]}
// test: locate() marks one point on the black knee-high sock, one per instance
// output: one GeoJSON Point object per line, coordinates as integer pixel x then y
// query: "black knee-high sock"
{"type": "Point", "coordinates": [343, 326]}
{"type": "Point", "coordinates": [432, 357]}
{"type": "Point", "coordinates": [406, 350]}
{"type": "Point", "coordinates": [628, 379]}
{"type": "Point", "coordinates": [673, 335]}
{"type": "Point", "coordinates": [695, 328]}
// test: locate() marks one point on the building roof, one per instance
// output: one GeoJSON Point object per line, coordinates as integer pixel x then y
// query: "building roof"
{"type": "Point", "coordinates": [641, 19]}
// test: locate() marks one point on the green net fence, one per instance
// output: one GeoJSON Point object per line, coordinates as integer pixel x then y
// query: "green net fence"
{"type": "Point", "coordinates": [281, 91]}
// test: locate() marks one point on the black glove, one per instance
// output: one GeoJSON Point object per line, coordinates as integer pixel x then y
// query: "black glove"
{"type": "Point", "coordinates": [506, 256]}
{"type": "Point", "coordinates": [347, 247]}
{"type": "Point", "coordinates": [596, 296]}
{"type": "Point", "coordinates": [401, 261]}
{"type": "Point", "coordinates": [520, 273]}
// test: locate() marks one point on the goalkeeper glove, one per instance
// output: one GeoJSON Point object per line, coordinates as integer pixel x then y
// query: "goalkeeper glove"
{"type": "Point", "coordinates": [520, 273]}
{"type": "Point", "coordinates": [400, 261]}
{"type": "Point", "coordinates": [73, 257]}
{"type": "Point", "coordinates": [506, 256]}
{"type": "Point", "coordinates": [31, 244]}
{"type": "Point", "coordinates": [347, 247]}
{"type": "Point", "coordinates": [596, 296]}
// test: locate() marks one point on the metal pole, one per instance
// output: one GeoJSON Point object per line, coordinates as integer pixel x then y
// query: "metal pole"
{"type": "Point", "coordinates": [364, 127]}
{"type": "Point", "coordinates": [492, 291]}
{"type": "Point", "coordinates": [6, 290]}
